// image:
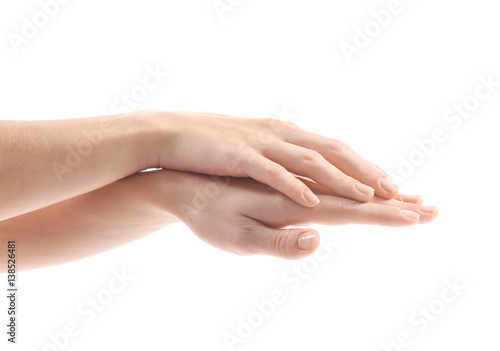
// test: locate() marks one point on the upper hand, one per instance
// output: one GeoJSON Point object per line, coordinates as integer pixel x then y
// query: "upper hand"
{"type": "Point", "coordinates": [272, 152]}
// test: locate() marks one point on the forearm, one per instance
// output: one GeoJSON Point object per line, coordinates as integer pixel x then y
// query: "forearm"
{"type": "Point", "coordinates": [114, 215]}
{"type": "Point", "coordinates": [45, 162]}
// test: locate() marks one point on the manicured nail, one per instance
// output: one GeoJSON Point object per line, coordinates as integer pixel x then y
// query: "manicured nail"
{"type": "Point", "coordinates": [364, 189]}
{"type": "Point", "coordinates": [416, 199]}
{"type": "Point", "coordinates": [310, 197]}
{"type": "Point", "coordinates": [388, 185]}
{"type": "Point", "coordinates": [428, 209]}
{"type": "Point", "coordinates": [410, 214]}
{"type": "Point", "coordinates": [306, 240]}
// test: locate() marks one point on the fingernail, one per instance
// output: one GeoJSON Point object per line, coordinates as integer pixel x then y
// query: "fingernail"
{"type": "Point", "coordinates": [364, 189]}
{"type": "Point", "coordinates": [410, 214]}
{"type": "Point", "coordinates": [413, 198]}
{"type": "Point", "coordinates": [388, 185]}
{"type": "Point", "coordinates": [306, 240]}
{"type": "Point", "coordinates": [310, 197]}
{"type": "Point", "coordinates": [428, 209]}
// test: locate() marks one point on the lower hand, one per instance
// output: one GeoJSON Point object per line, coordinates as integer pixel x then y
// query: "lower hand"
{"type": "Point", "coordinates": [246, 217]}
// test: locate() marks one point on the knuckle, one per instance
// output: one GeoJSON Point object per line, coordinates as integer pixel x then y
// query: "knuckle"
{"type": "Point", "coordinates": [347, 204]}
{"type": "Point", "coordinates": [279, 244]}
{"type": "Point", "coordinates": [310, 156]}
{"type": "Point", "coordinates": [266, 122]}
{"type": "Point", "coordinates": [335, 146]}
{"type": "Point", "coordinates": [272, 171]}
{"type": "Point", "coordinates": [369, 169]}
{"type": "Point", "coordinates": [292, 125]}
{"type": "Point", "coordinates": [293, 184]}
{"type": "Point", "coordinates": [240, 164]}
{"type": "Point", "coordinates": [278, 126]}
{"type": "Point", "coordinates": [344, 181]}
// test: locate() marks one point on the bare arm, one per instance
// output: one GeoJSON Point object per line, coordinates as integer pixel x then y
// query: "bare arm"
{"type": "Point", "coordinates": [101, 220]}
{"type": "Point", "coordinates": [45, 162]}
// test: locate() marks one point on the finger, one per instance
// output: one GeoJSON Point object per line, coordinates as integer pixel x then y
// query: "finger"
{"type": "Point", "coordinates": [283, 243]}
{"type": "Point", "coordinates": [417, 199]}
{"type": "Point", "coordinates": [333, 210]}
{"type": "Point", "coordinates": [279, 178]}
{"type": "Point", "coordinates": [319, 189]}
{"type": "Point", "coordinates": [311, 164]}
{"type": "Point", "coordinates": [426, 213]}
{"type": "Point", "coordinates": [345, 159]}
{"type": "Point", "coordinates": [345, 211]}
{"type": "Point", "coordinates": [406, 202]}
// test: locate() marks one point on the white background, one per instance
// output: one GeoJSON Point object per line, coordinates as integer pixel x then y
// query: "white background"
{"type": "Point", "coordinates": [267, 55]}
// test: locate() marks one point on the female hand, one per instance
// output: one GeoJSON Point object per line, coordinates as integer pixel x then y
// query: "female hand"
{"type": "Point", "coordinates": [46, 162]}
{"type": "Point", "coordinates": [246, 217]}
{"type": "Point", "coordinates": [270, 151]}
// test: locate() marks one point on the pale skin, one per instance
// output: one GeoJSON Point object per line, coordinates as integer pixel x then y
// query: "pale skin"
{"type": "Point", "coordinates": [74, 188]}
{"type": "Point", "coordinates": [107, 149]}
{"type": "Point", "coordinates": [242, 216]}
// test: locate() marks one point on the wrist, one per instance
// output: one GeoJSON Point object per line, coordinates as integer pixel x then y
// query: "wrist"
{"type": "Point", "coordinates": [157, 135]}
{"type": "Point", "coordinates": [151, 134]}
{"type": "Point", "coordinates": [181, 194]}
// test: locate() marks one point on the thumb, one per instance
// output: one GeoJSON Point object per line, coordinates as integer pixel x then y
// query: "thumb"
{"type": "Point", "coordinates": [291, 243]}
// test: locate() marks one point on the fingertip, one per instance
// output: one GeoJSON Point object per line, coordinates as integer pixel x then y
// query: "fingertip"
{"type": "Point", "coordinates": [416, 199]}
{"type": "Point", "coordinates": [365, 191]}
{"type": "Point", "coordinates": [308, 241]}
{"type": "Point", "coordinates": [428, 209]}
{"type": "Point", "coordinates": [413, 216]}
{"type": "Point", "coordinates": [429, 213]}
{"type": "Point", "coordinates": [311, 200]}
{"type": "Point", "coordinates": [293, 244]}
{"type": "Point", "coordinates": [388, 189]}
